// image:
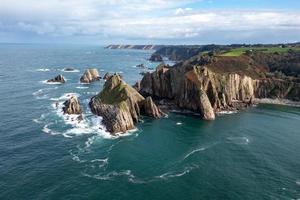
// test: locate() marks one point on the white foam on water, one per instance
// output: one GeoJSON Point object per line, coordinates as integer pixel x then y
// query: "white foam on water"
{"type": "Point", "coordinates": [82, 87]}
{"type": "Point", "coordinates": [42, 70]}
{"type": "Point", "coordinates": [239, 140]}
{"type": "Point", "coordinates": [179, 123]}
{"type": "Point", "coordinates": [41, 93]}
{"type": "Point", "coordinates": [298, 182]}
{"type": "Point", "coordinates": [174, 174]}
{"type": "Point", "coordinates": [227, 112]}
{"type": "Point", "coordinates": [50, 83]}
{"type": "Point", "coordinates": [194, 151]}
{"type": "Point", "coordinates": [47, 130]}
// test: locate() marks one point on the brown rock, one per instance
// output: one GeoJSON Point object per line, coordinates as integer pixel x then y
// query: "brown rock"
{"type": "Point", "coordinates": [72, 106]}
{"type": "Point", "coordinates": [149, 108]}
{"type": "Point", "coordinates": [119, 105]}
{"type": "Point", "coordinates": [90, 75]}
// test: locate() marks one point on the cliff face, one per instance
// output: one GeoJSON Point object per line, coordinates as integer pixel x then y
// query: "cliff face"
{"type": "Point", "coordinates": [208, 88]}
{"type": "Point", "coordinates": [120, 105]}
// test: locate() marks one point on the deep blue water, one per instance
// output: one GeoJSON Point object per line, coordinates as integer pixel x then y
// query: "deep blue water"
{"type": "Point", "coordinates": [252, 154]}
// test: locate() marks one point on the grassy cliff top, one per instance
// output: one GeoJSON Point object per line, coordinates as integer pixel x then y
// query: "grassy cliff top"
{"type": "Point", "coordinates": [116, 91]}
{"type": "Point", "coordinates": [239, 51]}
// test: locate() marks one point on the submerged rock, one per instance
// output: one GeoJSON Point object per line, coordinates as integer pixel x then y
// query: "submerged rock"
{"type": "Point", "coordinates": [90, 75]}
{"type": "Point", "coordinates": [156, 58]}
{"type": "Point", "coordinates": [141, 66]}
{"type": "Point", "coordinates": [68, 69]}
{"type": "Point", "coordinates": [72, 106]}
{"type": "Point", "coordinates": [119, 104]}
{"type": "Point", "coordinates": [57, 79]}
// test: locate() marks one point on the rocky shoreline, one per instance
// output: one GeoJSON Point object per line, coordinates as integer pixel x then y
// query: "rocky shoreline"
{"type": "Point", "coordinates": [204, 85]}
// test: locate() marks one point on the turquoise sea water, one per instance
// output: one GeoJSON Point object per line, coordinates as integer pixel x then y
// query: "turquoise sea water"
{"type": "Point", "coordinates": [252, 154]}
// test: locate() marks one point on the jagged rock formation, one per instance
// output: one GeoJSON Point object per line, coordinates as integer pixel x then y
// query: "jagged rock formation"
{"type": "Point", "coordinates": [90, 75]}
{"type": "Point", "coordinates": [149, 108]}
{"type": "Point", "coordinates": [106, 76]}
{"type": "Point", "coordinates": [57, 79]}
{"type": "Point", "coordinates": [208, 85]}
{"type": "Point", "coordinates": [120, 105]}
{"type": "Point", "coordinates": [72, 106]}
{"type": "Point", "coordinates": [156, 58]}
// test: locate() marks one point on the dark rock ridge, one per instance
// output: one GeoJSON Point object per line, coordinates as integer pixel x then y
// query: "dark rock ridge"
{"type": "Point", "coordinates": [207, 85]}
{"type": "Point", "coordinates": [90, 75]}
{"type": "Point", "coordinates": [121, 106]}
{"type": "Point", "coordinates": [57, 79]}
{"type": "Point", "coordinates": [156, 58]}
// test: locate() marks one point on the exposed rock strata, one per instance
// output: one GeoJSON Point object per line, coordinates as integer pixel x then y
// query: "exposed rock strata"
{"type": "Point", "coordinates": [120, 105]}
{"type": "Point", "coordinates": [90, 75]}
{"type": "Point", "coordinates": [208, 87]}
{"type": "Point", "coordinates": [57, 79]}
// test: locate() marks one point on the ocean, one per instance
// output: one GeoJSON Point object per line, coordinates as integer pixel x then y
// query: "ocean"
{"type": "Point", "coordinates": [252, 154]}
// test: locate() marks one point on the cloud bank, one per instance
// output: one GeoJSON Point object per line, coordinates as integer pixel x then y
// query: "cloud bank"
{"type": "Point", "coordinates": [156, 21]}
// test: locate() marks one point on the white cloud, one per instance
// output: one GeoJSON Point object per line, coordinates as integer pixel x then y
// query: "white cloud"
{"type": "Point", "coordinates": [155, 19]}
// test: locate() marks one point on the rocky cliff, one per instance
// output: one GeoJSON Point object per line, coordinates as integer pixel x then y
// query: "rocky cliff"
{"type": "Point", "coordinates": [207, 85]}
{"type": "Point", "coordinates": [121, 106]}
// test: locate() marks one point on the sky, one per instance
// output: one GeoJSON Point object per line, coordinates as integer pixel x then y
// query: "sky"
{"type": "Point", "coordinates": [149, 21]}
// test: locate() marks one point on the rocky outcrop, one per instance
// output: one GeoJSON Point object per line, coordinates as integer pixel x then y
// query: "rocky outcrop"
{"type": "Point", "coordinates": [57, 79]}
{"type": "Point", "coordinates": [72, 106]}
{"type": "Point", "coordinates": [149, 108]}
{"type": "Point", "coordinates": [220, 84]}
{"type": "Point", "coordinates": [156, 58]}
{"type": "Point", "coordinates": [90, 75]}
{"type": "Point", "coordinates": [120, 105]}
{"type": "Point", "coordinates": [106, 76]}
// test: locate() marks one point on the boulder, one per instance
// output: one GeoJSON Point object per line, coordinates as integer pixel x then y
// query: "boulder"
{"type": "Point", "coordinates": [156, 58]}
{"type": "Point", "coordinates": [118, 104]}
{"type": "Point", "coordinates": [72, 106]}
{"type": "Point", "coordinates": [57, 79]}
{"type": "Point", "coordinates": [90, 75]}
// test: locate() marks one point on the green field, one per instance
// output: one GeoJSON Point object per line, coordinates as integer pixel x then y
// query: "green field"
{"type": "Point", "coordinates": [240, 51]}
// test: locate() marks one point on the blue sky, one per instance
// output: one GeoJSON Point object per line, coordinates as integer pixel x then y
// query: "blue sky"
{"type": "Point", "coordinates": [150, 21]}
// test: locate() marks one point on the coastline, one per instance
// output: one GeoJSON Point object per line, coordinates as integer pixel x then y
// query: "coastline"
{"type": "Point", "coordinates": [283, 102]}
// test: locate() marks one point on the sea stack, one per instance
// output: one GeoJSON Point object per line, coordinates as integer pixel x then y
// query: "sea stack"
{"type": "Point", "coordinates": [72, 106]}
{"type": "Point", "coordinates": [57, 79]}
{"type": "Point", "coordinates": [119, 104]}
{"type": "Point", "coordinates": [90, 75]}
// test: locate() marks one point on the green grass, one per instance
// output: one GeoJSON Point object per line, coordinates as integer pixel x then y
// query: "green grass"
{"type": "Point", "coordinates": [240, 51]}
